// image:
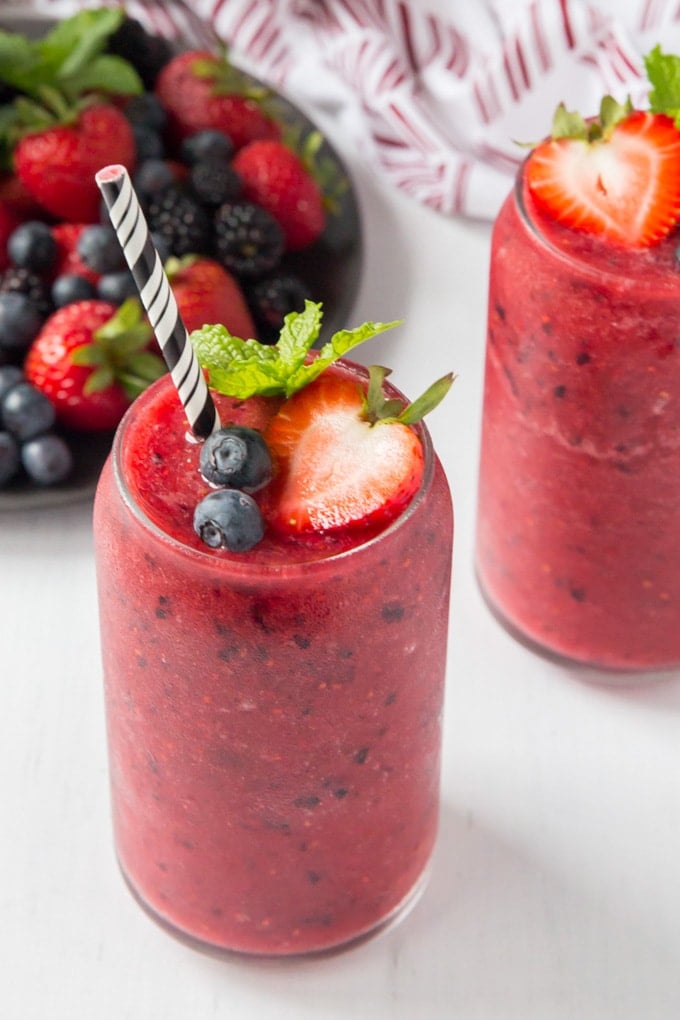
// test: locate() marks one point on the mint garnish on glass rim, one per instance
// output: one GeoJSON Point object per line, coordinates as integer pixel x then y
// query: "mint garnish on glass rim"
{"type": "Point", "coordinates": [247, 368]}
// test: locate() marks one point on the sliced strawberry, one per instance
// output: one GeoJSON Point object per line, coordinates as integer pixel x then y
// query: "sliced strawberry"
{"type": "Point", "coordinates": [335, 469]}
{"type": "Point", "coordinates": [624, 185]}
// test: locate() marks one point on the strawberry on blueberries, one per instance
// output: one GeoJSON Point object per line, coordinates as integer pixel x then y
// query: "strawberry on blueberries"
{"type": "Point", "coordinates": [278, 180]}
{"type": "Point", "coordinates": [90, 360]}
{"type": "Point", "coordinates": [201, 91]}
{"type": "Point", "coordinates": [205, 292]}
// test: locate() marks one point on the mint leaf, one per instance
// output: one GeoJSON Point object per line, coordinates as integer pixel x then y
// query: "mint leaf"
{"type": "Point", "coordinates": [244, 368]}
{"type": "Point", "coordinates": [105, 73]}
{"type": "Point", "coordinates": [663, 73]}
{"type": "Point", "coordinates": [75, 41]}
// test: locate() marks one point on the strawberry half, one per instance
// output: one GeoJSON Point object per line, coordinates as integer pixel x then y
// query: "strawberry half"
{"type": "Point", "coordinates": [336, 469]}
{"type": "Point", "coordinates": [618, 178]}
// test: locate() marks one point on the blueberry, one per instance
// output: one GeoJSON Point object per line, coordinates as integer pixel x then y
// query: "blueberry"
{"type": "Point", "coordinates": [229, 519]}
{"type": "Point", "coordinates": [148, 143]}
{"type": "Point", "coordinates": [236, 456]}
{"type": "Point", "coordinates": [116, 287]}
{"type": "Point", "coordinates": [32, 246]}
{"type": "Point", "coordinates": [20, 321]}
{"type": "Point", "coordinates": [10, 375]}
{"type": "Point", "coordinates": [151, 177]}
{"type": "Point", "coordinates": [207, 144]}
{"type": "Point", "coordinates": [70, 287]}
{"type": "Point", "coordinates": [9, 458]}
{"type": "Point", "coordinates": [99, 248]}
{"type": "Point", "coordinates": [26, 412]}
{"type": "Point", "coordinates": [47, 459]}
{"type": "Point", "coordinates": [146, 109]}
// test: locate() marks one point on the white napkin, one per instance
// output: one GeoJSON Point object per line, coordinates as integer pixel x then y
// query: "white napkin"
{"type": "Point", "coordinates": [438, 100]}
{"type": "Point", "coordinates": [436, 94]}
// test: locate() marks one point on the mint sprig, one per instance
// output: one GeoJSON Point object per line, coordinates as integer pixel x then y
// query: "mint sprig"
{"type": "Point", "coordinates": [663, 74]}
{"type": "Point", "coordinates": [246, 368]}
{"type": "Point", "coordinates": [70, 58]}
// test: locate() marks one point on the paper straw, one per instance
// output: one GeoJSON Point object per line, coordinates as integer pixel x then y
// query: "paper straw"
{"type": "Point", "coordinates": [157, 297]}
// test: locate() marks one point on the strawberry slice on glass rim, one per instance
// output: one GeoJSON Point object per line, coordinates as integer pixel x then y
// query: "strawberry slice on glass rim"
{"type": "Point", "coordinates": [617, 176]}
{"type": "Point", "coordinates": [345, 457]}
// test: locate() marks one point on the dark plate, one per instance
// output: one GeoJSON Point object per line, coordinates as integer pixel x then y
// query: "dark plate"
{"type": "Point", "coordinates": [331, 268]}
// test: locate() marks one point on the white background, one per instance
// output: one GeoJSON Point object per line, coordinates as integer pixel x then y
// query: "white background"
{"type": "Point", "coordinates": [556, 885]}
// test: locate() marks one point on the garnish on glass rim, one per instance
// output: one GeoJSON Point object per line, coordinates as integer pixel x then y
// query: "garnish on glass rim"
{"type": "Point", "coordinates": [246, 368]}
{"type": "Point", "coordinates": [616, 175]}
{"type": "Point", "coordinates": [345, 454]}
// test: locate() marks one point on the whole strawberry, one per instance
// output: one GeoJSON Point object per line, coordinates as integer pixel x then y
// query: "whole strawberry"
{"type": "Point", "coordinates": [57, 165]}
{"type": "Point", "coordinates": [91, 360]}
{"type": "Point", "coordinates": [206, 293]}
{"type": "Point", "coordinates": [201, 91]}
{"type": "Point", "coordinates": [277, 179]}
{"type": "Point", "coordinates": [60, 127]}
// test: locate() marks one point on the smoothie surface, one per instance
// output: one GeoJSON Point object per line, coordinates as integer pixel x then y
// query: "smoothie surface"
{"type": "Point", "coordinates": [160, 461]}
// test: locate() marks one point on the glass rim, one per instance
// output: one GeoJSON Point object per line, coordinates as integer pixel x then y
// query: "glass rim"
{"type": "Point", "coordinates": [263, 571]}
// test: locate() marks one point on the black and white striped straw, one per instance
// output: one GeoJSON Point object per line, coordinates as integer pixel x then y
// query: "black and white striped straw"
{"type": "Point", "coordinates": [157, 297]}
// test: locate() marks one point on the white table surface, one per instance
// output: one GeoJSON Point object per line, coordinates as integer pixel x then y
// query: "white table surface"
{"type": "Point", "coordinates": [556, 887]}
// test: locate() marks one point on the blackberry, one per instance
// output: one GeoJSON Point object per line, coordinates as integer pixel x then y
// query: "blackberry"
{"type": "Point", "coordinates": [147, 53]}
{"type": "Point", "coordinates": [146, 110]}
{"type": "Point", "coordinates": [214, 182]}
{"type": "Point", "coordinates": [181, 221]}
{"type": "Point", "coordinates": [248, 241]}
{"type": "Point", "coordinates": [23, 281]}
{"type": "Point", "coordinates": [271, 299]}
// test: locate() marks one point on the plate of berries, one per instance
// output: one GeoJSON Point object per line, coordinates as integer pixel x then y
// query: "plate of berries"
{"type": "Point", "coordinates": [250, 207]}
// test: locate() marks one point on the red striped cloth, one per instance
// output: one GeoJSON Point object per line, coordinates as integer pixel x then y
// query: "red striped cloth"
{"type": "Point", "coordinates": [438, 99]}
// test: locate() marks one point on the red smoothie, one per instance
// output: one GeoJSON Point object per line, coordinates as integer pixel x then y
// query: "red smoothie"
{"type": "Point", "coordinates": [274, 717]}
{"type": "Point", "coordinates": [578, 544]}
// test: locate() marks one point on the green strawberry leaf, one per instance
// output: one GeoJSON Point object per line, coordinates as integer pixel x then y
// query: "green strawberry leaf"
{"type": "Point", "coordinates": [74, 42]}
{"type": "Point", "coordinates": [244, 368]}
{"type": "Point", "coordinates": [99, 380]}
{"type": "Point", "coordinates": [427, 401]}
{"type": "Point", "coordinates": [663, 73]}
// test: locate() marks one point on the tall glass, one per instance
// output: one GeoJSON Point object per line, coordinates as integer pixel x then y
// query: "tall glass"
{"type": "Point", "coordinates": [274, 724]}
{"type": "Point", "coordinates": [578, 541]}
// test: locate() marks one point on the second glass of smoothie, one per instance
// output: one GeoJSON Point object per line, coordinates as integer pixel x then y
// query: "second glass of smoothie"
{"type": "Point", "coordinates": [578, 540]}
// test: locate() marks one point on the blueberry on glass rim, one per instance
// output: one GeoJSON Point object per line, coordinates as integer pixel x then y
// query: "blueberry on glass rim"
{"type": "Point", "coordinates": [236, 456]}
{"type": "Point", "coordinates": [229, 519]}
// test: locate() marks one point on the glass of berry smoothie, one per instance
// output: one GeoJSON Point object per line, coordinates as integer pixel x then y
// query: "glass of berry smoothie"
{"type": "Point", "coordinates": [274, 715]}
{"type": "Point", "coordinates": [578, 540]}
